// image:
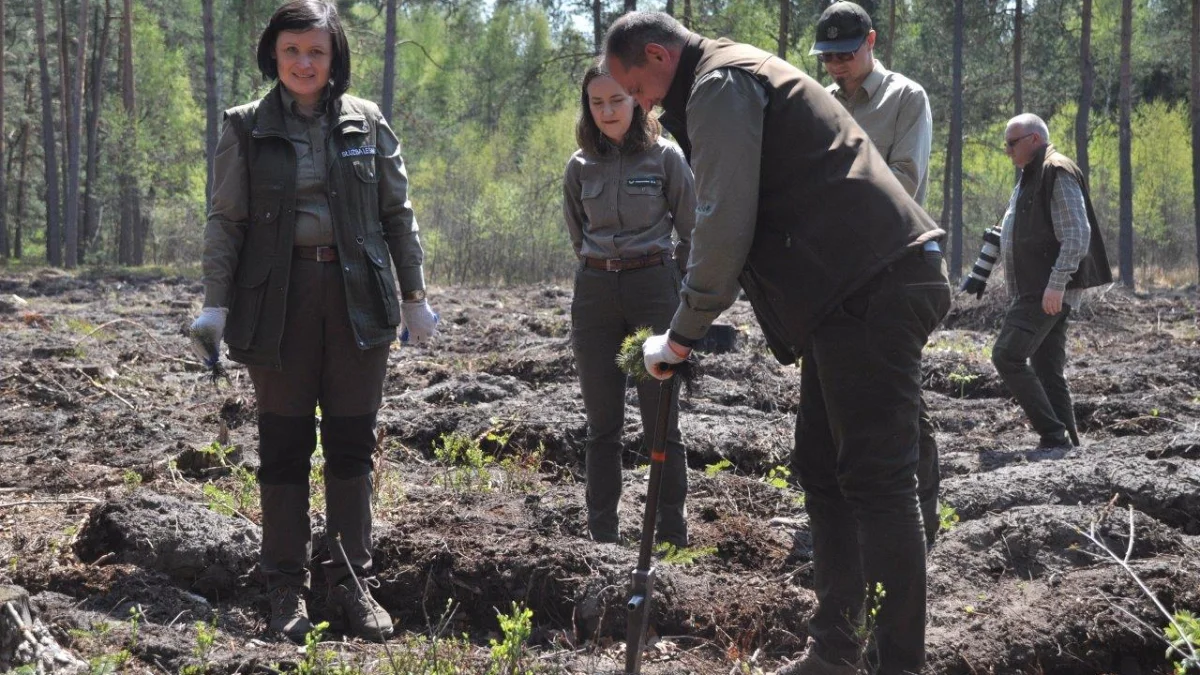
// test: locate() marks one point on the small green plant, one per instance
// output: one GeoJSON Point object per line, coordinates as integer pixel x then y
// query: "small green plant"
{"type": "Point", "coordinates": [716, 468]}
{"type": "Point", "coordinates": [674, 555]}
{"type": "Point", "coordinates": [629, 357]}
{"type": "Point", "coordinates": [320, 660]}
{"type": "Point", "coordinates": [132, 480]}
{"type": "Point", "coordinates": [872, 604]}
{"type": "Point", "coordinates": [242, 496]}
{"type": "Point", "coordinates": [206, 639]}
{"type": "Point", "coordinates": [506, 653]}
{"type": "Point", "coordinates": [947, 517]}
{"type": "Point", "coordinates": [962, 377]}
{"type": "Point", "coordinates": [467, 464]}
{"type": "Point", "coordinates": [1183, 638]}
{"type": "Point", "coordinates": [778, 477]}
{"type": "Point", "coordinates": [521, 470]}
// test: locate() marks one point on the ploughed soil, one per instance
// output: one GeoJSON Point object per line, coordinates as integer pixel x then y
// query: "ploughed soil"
{"type": "Point", "coordinates": [128, 530]}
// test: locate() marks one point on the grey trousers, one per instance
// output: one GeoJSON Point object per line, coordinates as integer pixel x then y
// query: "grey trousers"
{"type": "Point", "coordinates": [607, 307]}
{"type": "Point", "coordinates": [1030, 355]}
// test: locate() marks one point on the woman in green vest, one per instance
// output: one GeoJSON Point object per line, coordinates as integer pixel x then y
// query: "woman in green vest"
{"type": "Point", "coordinates": [625, 191]}
{"type": "Point", "coordinates": [308, 216]}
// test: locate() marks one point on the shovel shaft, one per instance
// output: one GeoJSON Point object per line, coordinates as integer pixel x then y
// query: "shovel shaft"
{"type": "Point", "coordinates": [641, 586]}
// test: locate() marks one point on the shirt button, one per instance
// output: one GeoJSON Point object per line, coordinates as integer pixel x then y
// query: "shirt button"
{"type": "Point", "coordinates": [347, 268]}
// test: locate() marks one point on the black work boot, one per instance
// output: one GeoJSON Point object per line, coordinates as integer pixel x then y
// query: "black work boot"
{"type": "Point", "coordinates": [289, 613]}
{"type": "Point", "coordinates": [350, 601]}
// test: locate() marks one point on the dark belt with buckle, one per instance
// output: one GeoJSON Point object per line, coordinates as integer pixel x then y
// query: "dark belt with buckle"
{"type": "Point", "coordinates": [623, 264]}
{"type": "Point", "coordinates": [318, 253]}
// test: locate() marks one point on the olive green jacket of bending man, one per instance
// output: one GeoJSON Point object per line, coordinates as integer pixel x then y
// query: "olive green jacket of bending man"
{"type": "Point", "coordinates": [252, 220]}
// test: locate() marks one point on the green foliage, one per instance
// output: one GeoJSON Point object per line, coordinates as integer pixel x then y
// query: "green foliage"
{"type": "Point", "coordinates": [947, 517]}
{"type": "Point", "coordinates": [1183, 636]}
{"type": "Point", "coordinates": [243, 494]}
{"type": "Point", "coordinates": [132, 480]}
{"type": "Point", "coordinates": [506, 653]}
{"type": "Point", "coordinates": [467, 464]}
{"type": "Point", "coordinates": [206, 639]}
{"type": "Point", "coordinates": [778, 477]}
{"type": "Point", "coordinates": [320, 660]}
{"type": "Point", "coordinates": [629, 356]}
{"type": "Point", "coordinates": [521, 470]}
{"type": "Point", "coordinates": [670, 554]}
{"type": "Point", "coordinates": [713, 469]}
{"type": "Point", "coordinates": [962, 377]}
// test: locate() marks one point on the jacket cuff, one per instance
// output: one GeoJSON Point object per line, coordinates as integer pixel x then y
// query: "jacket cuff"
{"type": "Point", "coordinates": [216, 295]}
{"type": "Point", "coordinates": [689, 326]}
{"type": "Point", "coordinates": [1058, 281]}
{"type": "Point", "coordinates": [411, 278]}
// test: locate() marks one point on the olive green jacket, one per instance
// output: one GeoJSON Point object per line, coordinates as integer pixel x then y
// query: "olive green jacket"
{"type": "Point", "coordinates": [247, 261]}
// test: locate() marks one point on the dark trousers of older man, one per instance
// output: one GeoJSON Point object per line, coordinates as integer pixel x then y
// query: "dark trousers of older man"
{"type": "Point", "coordinates": [1030, 355]}
{"type": "Point", "coordinates": [857, 454]}
{"type": "Point", "coordinates": [606, 308]}
{"type": "Point", "coordinates": [322, 365]}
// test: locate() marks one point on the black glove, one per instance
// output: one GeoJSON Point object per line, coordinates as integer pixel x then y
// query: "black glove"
{"type": "Point", "coordinates": [973, 285]}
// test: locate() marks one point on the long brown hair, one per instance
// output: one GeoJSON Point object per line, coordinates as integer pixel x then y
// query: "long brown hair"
{"type": "Point", "coordinates": [643, 132]}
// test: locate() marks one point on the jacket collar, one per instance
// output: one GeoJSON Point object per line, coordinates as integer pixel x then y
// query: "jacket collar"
{"type": "Point", "coordinates": [869, 87]}
{"type": "Point", "coordinates": [674, 104]}
{"type": "Point", "coordinates": [1037, 164]}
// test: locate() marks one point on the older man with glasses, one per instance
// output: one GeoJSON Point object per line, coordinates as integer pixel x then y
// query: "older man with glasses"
{"type": "Point", "coordinates": [894, 112]}
{"type": "Point", "coordinates": [1050, 243]}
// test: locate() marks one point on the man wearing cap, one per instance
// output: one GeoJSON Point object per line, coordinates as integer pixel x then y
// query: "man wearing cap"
{"type": "Point", "coordinates": [894, 112]}
{"type": "Point", "coordinates": [842, 266]}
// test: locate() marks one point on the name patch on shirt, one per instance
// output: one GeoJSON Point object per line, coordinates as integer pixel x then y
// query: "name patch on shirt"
{"type": "Point", "coordinates": [359, 152]}
{"type": "Point", "coordinates": [644, 181]}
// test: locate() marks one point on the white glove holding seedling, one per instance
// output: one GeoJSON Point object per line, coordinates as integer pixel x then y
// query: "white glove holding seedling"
{"type": "Point", "coordinates": [658, 352]}
{"type": "Point", "coordinates": [206, 332]}
{"type": "Point", "coordinates": [418, 323]}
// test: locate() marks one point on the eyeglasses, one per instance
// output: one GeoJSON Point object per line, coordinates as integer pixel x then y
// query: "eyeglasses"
{"type": "Point", "coordinates": [840, 57]}
{"type": "Point", "coordinates": [1012, 142]}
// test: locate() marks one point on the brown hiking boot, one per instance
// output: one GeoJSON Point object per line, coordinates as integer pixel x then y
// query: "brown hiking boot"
{"type": "Point", "coordinates": [289, 613]}
{"type": "Point", "coordinates": [362, 616]}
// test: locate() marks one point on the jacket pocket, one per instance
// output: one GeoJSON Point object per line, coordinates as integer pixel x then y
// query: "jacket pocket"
{"type": "Point", "coordinates": [364, 169]}
{"type": "Point", "coordinates": [377, 253]}
{"type": "Point", "coordinates": [592, 188]}
{"type": "Point", "coordinates": [250, 285]}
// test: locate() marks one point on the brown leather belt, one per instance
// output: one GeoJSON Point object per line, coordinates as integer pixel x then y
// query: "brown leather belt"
{"type": "Point", "coordinates": [623, 264]}
{"type": "Point", "coordinates": [318, 253]}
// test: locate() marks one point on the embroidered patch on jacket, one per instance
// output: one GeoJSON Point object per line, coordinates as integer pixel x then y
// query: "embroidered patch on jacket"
{"type": "Point", "coordinates": [359, 152]}
{"type": "Point", "coordinates": [644, 181]}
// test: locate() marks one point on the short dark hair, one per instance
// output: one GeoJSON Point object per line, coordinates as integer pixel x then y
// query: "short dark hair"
{"type": "Point", "coordinates": [628, 36]}
{"type": "Point", "coordinates": [643, 129]}
{"type": "Point", "coordinates": [300, 16]}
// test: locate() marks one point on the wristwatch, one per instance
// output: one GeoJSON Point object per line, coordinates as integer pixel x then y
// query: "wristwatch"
{"type": "Point", "coordinates": [413, 296]}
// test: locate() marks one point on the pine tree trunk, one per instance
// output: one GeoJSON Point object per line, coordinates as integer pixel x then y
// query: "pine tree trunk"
{"type": "Point", "coordinates": [18, 250]}
{"type": "Point", "coordinates": [389, 61]}
{"type": "Point", "coordinates": [1125, 147]}
{"type": "Point", "coordinates": [128, 191]}
{"type": "Point", "coordinates": [1196, 124]}
{"type": "Point", "coordinates": [74, 135]}
{"type": "Point", "coordinates": [687, 14]}
{"type": "Point", "coordinates": [4, 245]}
{"type": "Point", "coordinates": [955, 154]}
{"type": "Point", "coordinates": [630, 5]}
{"type": "Point", "coordinates": [53, 224]}
{"type": "Point", "coordinates": [235, 76]}
{"type": "Point", "coordinates": [210, 95]}
{"type": "Point", "coordinates": [91, 213]}
{"type": "Point", "coordinates": [1087, 83]}
{"type": "Point", "coordinates": [597, 26]}
{"type": "Point", "coordinates": [1018, 47]}
{"type": "Point", "coordinates": [891, 39]}
{"type": "Point", "coordinates": [785, 19]}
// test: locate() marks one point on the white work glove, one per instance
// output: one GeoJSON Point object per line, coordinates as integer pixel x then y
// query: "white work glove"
{"type": "Point", "coordinates": [418, 323]}
{"type": "Point", "coordinates": [206, 332]}
{"type": "Point", "coordinates": [658, 353]}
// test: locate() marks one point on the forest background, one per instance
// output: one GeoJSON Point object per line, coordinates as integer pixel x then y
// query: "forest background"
{"type": "Point", "coordinates": [110, 109]}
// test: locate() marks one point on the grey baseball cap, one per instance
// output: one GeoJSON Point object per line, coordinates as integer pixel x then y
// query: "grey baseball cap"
{"type": "Point", "coordinates": [842, 28]}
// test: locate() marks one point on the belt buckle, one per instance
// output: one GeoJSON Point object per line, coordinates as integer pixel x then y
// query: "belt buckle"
{"type": "Point", "coordinates": [612, 265]}
{"type": "Point", "coordinates": [325, 253]}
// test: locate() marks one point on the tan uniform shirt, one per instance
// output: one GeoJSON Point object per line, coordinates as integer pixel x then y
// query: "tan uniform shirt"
{"type": "Point", "coordinates": [894, 112]}
{"type": "Point", "coordinates": [626, 206]}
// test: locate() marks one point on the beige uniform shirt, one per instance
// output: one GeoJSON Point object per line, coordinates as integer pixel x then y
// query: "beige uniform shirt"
{"type": "Point", "coordinates": [626, 206]}
{"type": "Point", "coordinates": [894, 112]}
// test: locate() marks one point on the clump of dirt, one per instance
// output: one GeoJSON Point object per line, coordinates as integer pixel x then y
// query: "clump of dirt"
{"type": "Point", "coordinates": [118, 522]}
